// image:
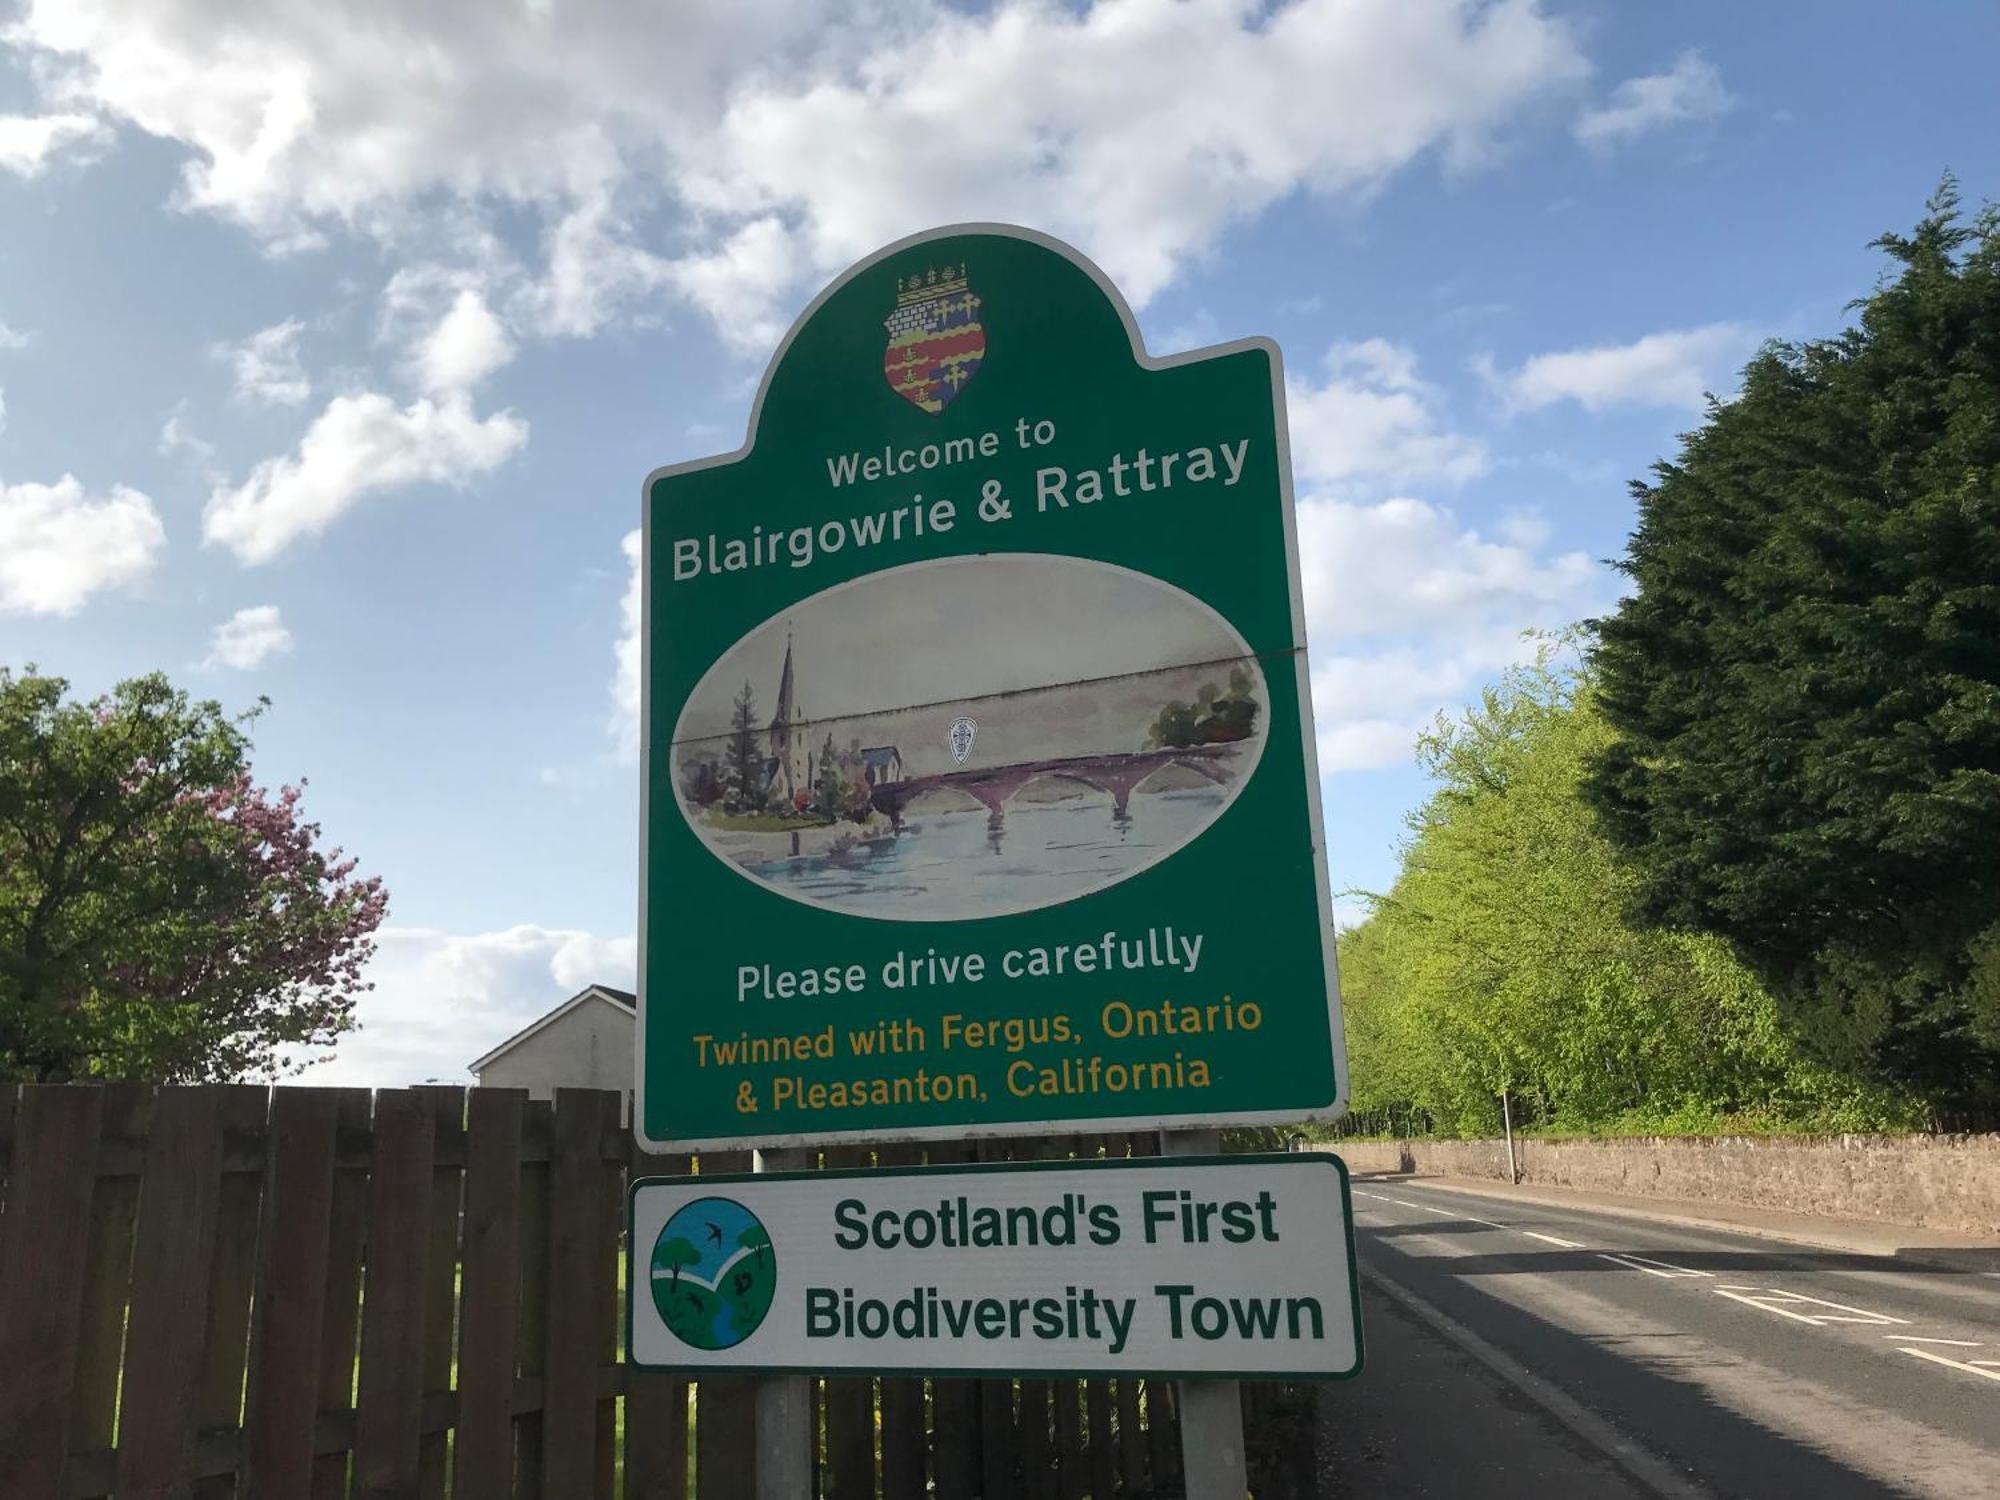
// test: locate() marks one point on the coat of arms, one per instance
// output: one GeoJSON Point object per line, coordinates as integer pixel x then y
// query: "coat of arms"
{"type": "Point", "coordinates": [935, 339]}
{"type": "Point", "coordinates": [962, 732]}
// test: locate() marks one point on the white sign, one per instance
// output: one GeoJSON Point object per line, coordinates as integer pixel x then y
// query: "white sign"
{"type": "Point", "coordinates": [1227, 1267]}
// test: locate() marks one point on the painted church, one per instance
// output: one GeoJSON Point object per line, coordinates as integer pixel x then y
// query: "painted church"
{"type": "Point", "coordinates": [791, 762]}
{"type": "Point", "coordinates": [790, 756]}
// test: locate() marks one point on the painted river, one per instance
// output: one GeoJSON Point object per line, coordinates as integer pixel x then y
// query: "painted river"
{"type": "Point", "coordinates": [948, 865]}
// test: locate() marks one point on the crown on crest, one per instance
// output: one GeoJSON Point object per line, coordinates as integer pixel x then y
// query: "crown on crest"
{"type": "Point", "coordinates": [934, 281]}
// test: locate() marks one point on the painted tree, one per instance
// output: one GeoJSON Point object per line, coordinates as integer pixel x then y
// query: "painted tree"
{"type": "Point", "coordinates": [743, 767]}
{"type": "Point", "coordinates": [676, 1253]}
{"type": "Point", "coordinates": [830, 794]}
{"type": "Point", "coordinates": [1805, 679]}
{"type": "Point", "coordinates": [161, 915]}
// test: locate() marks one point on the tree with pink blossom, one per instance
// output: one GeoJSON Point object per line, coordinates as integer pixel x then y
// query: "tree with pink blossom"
{"type": "Point", "coordinates": [162, 916]}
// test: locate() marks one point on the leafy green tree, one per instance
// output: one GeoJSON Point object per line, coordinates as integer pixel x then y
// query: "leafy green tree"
{"type": "Point", "coordinates": [1501, 960]}
{"type": "Point", "coordinates": [1805, 682]}
{"type": "Point", "coordinates": [161, 915]}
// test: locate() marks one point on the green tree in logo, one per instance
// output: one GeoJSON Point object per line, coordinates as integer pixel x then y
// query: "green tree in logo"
{"type": "Point", "coordinates": [676, 1253]}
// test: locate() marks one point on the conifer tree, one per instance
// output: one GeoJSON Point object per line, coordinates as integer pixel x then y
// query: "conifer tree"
{"type": "Point", "coordinates": [1805, 681]}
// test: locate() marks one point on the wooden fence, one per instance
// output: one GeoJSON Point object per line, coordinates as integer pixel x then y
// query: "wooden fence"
{"type": "Point", "coordinates": [298, 1292]}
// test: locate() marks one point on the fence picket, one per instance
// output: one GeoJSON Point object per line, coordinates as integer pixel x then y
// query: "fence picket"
{"type": "Point", "coordinates": [389, 1406]}
{"type": "Point", "coordinates": [107, 1272]}
{"type": "Point", "coordinates": [43, 1238]}
{"type": "Point", "coordinates": [340, 1318]}
{"type": "Point", "coordinates": [291, 1287]}
{"type": "Point", "coordinates": [179, 1198]}
{"type": "Point", "coordinates": [576, 1288]}
{"type": "Point", "coordinates": [531, 1327]}
{"type": "Point", "coordinates": [483, 1450]}
{"type": "Point", "coordinates": [243, 1112]}
{"type": "Point", "coordinates": [441, 1272]}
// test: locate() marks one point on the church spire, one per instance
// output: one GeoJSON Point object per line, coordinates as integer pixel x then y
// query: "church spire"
{"type": "Point", "coordinates": [787, 709]}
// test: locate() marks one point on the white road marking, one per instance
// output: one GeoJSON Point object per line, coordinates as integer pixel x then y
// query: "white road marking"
{"type": "Point", "coordinates": [1769, 1298]}
{"type": "Point", "coordinates": [1653, 1267]}
{"type": "Point", "coordinates": [1550, 1239]}
{"type": "Point", "coordinates": [1987, 1368]}
{"type": "Point", "coordinates": [1911, 1338]}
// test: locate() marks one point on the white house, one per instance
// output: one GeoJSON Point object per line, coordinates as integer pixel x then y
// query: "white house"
{"type": "Point", "coordinates": [585, 1043]}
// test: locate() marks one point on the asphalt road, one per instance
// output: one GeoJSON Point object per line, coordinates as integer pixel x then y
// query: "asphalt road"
{"type": "Point", "coordinates": [1516, 1349]}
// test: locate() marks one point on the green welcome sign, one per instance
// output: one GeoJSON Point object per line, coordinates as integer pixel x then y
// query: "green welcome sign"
{"type": "Point", "coordinates": [979, 788]}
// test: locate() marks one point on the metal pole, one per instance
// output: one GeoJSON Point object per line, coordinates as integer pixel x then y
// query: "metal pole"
{"type": "Point", "coordinates": [784, 1402]}
{"type": "Point", "coordinates": [1507, 1121]}
{"type": "Point", "coordinates": [1211, 1410]}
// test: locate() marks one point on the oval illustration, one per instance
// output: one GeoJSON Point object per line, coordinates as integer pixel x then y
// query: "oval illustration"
{"type": "Point", "coordinates": [969, 737]}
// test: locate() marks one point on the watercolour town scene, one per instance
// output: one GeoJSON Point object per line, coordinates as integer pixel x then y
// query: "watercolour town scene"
{"type": "Point", "coordinates": [885, 748]}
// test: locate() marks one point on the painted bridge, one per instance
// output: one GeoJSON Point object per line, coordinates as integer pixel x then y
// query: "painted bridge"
{"type": "Point", "coordinates": [1116, 775]}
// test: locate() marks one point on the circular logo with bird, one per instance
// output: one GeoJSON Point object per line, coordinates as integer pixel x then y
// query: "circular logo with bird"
{"type": "Point", "coordinates": [713, 1273]}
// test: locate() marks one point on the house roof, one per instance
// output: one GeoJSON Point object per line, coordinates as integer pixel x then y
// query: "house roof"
{"type": "Point", "coordinates": [625, 1000]}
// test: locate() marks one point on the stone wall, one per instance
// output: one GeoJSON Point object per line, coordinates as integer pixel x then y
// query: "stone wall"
{"type": "Point", "coordinates": [1931, 1181]}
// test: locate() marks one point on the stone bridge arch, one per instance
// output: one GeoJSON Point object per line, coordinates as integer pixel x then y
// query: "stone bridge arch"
{"type": "Point", "coordinates": [1117, 776]}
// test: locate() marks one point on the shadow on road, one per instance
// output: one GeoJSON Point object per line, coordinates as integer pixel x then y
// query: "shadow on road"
{"type": "Point", "coordinates": [1427, 1419]}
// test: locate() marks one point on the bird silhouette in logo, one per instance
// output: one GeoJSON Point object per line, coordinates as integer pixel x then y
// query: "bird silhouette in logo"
{"type": "Point", "coordinates": [715, 1233]}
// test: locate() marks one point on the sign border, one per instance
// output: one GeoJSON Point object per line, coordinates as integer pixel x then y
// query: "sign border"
{"type": "Point", "coordinates": [1325, 1113]}
{"type": "Point", "coordinates": [1039, 1372]}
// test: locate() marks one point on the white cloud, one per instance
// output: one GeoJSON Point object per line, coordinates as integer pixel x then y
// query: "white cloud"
{"type": "Point", "coordinates": [177, 437]}
{"type": "Point", "coordinates": [1674, 368]}
{"type": "Point", "coordinates": [13, 338]}
{"type": "Point", "coordinates": [1407, 612]}
{"type": "Point", "coordinates": [468, 344]}
{"type": "Point", "coordinates": [1690, 90]}
{"type": "Point", "coordinates": [28, 143]}
{"type": "Point", "coordinates": [728, 152]}
{"type": "Point", "coordinates": [359, 445]}
{"type": "Point", "coordinates": [1370, 420]}
{"type": "Point", "coordinates": [625, 656]}
{"type": "Point", "coordinates": [267, 367]}
{"type": "Point", "coordinates": [442, 999]}
{"type": "Point", "coordinates": [59, 545]}
{"type": "Point", "coordinates": [3, 410]}
{"type": "Point", "coordinates": [248, 638]}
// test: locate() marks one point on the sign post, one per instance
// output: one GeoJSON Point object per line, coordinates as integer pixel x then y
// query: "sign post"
{"type": "Point", "coordinates": [978, 763]}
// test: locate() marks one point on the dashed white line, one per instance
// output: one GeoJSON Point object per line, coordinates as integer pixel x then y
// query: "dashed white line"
{"type": "Point", "coordinates": [1768, 1299]}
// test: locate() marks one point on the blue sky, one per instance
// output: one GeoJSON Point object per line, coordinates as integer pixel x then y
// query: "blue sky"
{"type": "Point", "coordinates": [335, 340]}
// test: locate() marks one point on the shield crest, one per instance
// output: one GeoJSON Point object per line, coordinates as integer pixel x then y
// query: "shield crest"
{"type": "Point", "coordinates": [963, 731]}
{"type": "Point", "coordinates": [935, 338]}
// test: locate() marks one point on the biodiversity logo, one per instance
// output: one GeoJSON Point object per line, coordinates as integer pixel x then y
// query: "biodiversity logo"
{"type": "Point", "coordinates": [713, 1273]}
